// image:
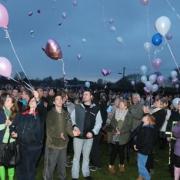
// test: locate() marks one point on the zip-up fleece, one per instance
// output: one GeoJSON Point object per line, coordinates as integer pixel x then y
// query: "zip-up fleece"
{"type": "Point", "coordinates": [87, 120]}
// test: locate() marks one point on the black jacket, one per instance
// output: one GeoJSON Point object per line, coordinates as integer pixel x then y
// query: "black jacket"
{"type": "Point", "coordinates": [87, 119]}
{"type": "Point", "coordinates": [160, 116]}
{"type": "Point", "coordinates": [30, 129]}
{"type": "Point", "coordinates": [146, 139]}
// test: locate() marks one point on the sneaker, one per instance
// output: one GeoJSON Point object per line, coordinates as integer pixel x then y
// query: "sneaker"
{"type": "Point", "coordinates": [93, 168]}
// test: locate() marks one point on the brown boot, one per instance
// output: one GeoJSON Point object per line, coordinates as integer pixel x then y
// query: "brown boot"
{"type": "Point", "coordinates": [140, 178]}
{"type": "Point", "coordinates": [121, 168]}
{"type": "Point", "coordinates": [111, 169]}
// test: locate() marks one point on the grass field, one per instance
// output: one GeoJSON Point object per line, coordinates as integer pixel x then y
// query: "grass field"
{"type": "Point", "coordinates": [160, 170]}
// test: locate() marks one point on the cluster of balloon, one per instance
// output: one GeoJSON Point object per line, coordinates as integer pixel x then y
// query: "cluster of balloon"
{"type": "Point", "coordinates": [87, 84]}
{"type": "Point", "coordinates": [5, 67]}
{"type": "Point", "coordinates": [150, 85]}
{"type": "Point", "coordinates": [144, 2]}
{"type": "Point", "coordinates": [53, 50]}
{"type": "Point", "coordinates": [162, 25]}
{"type": "Point", "coordinates": [156, 63]}
{"type": "Point", "coordinates": [105, 72]}
{"type": "Point", "coordinates": [176, 102]}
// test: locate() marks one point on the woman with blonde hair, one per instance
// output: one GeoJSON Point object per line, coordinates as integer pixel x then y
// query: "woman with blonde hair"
{"type": "Point", "coordinates": [121, 124]}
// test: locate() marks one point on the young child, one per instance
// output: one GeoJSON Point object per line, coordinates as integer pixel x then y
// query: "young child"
{"type": "Point", "coordinates": [144, 145]}
{"type": "Point", "coordinates": [176, 133]}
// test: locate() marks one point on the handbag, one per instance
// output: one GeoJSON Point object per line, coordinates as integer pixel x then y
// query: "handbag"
{"type": "Point", "coordinates": [10, 154]}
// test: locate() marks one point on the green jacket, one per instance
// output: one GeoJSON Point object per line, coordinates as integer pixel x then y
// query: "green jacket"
{"type": "Point", "coordinates": [57, 123]}
{"type": "Point", "coordinates": [125, 128]}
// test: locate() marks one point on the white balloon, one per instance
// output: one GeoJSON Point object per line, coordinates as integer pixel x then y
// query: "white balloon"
{"type": "Point", "coordinates": [113, 28]}
{"type": "Point", "coordinates": [132, 83]}
{"type": "Point", "coordinates": [175, 102]}
{"type": "Point", "coordinates": [174, 74]}
{"type": "Point", "coordinates": [152, 78]}
{"type": "Point", "coordinates": [147, 46]}
{"type": "Point", "coordinates": [143, 69]}
{"type": "Point", "coordinates": [148, 85]}
{"type": "Point", "coordinates": [87, 84]}
{"type": "Point", "coordinates": [155, 87]}
{"type": "Point", "coordinates": [163, 25]}
{"type": "Point", "coordinates": [84, 40]}
{"type": "Point", "coordinates": [177, 86]}
{"type": "Point", "coordinates": [119, 39]}
{"type": "Point", "coordinates": [143, 79]}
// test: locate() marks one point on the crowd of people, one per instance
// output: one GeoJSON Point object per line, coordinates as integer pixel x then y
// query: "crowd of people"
{"type": "Point", "coordinates": [61, 125]}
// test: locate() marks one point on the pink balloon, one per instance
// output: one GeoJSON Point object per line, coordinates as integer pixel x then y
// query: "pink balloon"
{"type": "Point", "coordinates": [4, 17]}
{"type": "Point", "coordinates": [144, 2]}
{"type": "Point", "coordinates": [156, 63]}
{"type": "Point", "coordinates": [5, 67]}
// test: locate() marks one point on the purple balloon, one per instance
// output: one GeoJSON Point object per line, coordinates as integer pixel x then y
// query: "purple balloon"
{"type": "Point", "coordinates": [105, 72]}
{"type": "Point", "coordinates": [144, 2]}
{"type": "Point", "coordinates": [169, 36]}
{"type": "Point", "coordinates": [160, 79]}
{"type": "Point", "coordinates": [156, 63]}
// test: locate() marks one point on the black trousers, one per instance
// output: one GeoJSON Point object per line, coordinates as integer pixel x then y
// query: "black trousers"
{"type": "Point", "coordinates": [26, 169]}
{"type": "Point", "coordinates": [96, 151]}
{"type": "Point", "coordinates": [117, 149]}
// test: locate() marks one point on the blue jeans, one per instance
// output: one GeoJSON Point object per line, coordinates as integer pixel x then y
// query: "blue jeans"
{"type": "Point", "coordinates": [84, 146]}
{"type": "Point", "coordinates": [141, 160]}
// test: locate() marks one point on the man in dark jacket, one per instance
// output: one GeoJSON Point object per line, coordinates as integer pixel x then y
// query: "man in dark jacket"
{"type": "Point", "coordinates": [87, 121]}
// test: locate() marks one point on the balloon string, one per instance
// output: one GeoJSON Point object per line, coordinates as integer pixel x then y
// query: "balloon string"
{"type": "Point", "coordinates": [172, 54]}
{"type": "Point", "coordinates": [27, 87]}
{"type": "Point", "coordinates": [173, 9]}
{"type": "Point", "coordinates": [63, 69]}
{"type": "Point", "coordinates": [148, 35]}
{"type": "Point", "coordinates": [12, 46]}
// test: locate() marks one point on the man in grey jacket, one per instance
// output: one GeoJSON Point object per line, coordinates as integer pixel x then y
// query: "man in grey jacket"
{"type": "Point", "coordinates": [87, 121]}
